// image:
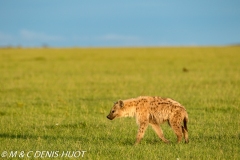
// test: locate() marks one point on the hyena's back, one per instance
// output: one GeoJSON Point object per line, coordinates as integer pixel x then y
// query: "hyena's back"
{"type": "Point", "coordinates": [166, 109]}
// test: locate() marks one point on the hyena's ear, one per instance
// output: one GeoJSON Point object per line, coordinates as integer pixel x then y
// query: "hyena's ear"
{"type": "Point", "coordinates": [121, 104]}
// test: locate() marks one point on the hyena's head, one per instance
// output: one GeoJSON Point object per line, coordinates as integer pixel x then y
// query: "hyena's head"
{"type": "Point", "coordinates": [116, 111]}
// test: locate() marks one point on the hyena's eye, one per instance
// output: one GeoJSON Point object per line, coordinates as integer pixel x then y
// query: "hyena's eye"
{"type": "Point", "coordinates": [113, 111]}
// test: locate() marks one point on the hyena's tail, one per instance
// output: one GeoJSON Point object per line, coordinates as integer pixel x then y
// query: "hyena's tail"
{"type": "Point", "coordinates": [185, 129]}
{"type": "Point", "coordinates": [185, 121]}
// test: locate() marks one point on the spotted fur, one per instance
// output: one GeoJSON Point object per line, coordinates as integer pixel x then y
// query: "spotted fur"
{"type": "Point", "coordinates": [153, 111]}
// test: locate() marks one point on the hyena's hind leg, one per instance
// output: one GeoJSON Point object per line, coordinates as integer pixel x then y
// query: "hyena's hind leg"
{"type": "Point", "coordinates": [159, 132]}
{"type": "Point", "coordinates": [178, 131]}
{"type": "Point", "coordinates": [175, 123]}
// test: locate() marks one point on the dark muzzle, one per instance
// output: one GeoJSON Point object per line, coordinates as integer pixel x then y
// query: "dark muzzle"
{"type": "Point", "coordinates": [110, 117]}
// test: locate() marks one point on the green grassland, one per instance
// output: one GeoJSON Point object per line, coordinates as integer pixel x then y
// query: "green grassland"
{"type": "Point", "coordinates": [58, 99]}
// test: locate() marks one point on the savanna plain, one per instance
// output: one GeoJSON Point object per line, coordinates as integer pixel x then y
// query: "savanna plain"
{"type": "Point", "coordinates": [57, 99]}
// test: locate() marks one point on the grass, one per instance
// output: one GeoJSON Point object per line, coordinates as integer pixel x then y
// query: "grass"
{"type": "Point", "coordinates": [58, 99]}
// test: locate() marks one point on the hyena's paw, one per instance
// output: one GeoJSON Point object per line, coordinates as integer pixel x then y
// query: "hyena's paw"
{"type": "Point", "coordinates": [136, 143]}
{"type": "Point", "coordinates": [167, 142]}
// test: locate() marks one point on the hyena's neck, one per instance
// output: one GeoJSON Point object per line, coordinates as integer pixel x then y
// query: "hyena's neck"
{"type": "Point", "coordinates": [129, 108]}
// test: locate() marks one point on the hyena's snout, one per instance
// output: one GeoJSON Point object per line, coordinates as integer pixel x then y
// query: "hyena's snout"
{"type": "Point", "coordinates": [110, 117]}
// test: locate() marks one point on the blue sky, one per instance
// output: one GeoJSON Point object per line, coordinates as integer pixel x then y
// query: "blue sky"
{"type": "Point", "coordinates": [100, 23]}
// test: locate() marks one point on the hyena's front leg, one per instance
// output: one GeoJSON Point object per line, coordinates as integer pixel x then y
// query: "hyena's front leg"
{"type": "Point", "coordinates": [141, 130]}
{"type": "Point", "coordinates": [159, 132]}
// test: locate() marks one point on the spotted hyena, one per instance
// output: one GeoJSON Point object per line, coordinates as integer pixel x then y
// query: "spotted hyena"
{"type": "Point", "coordinates": [153, 111]}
